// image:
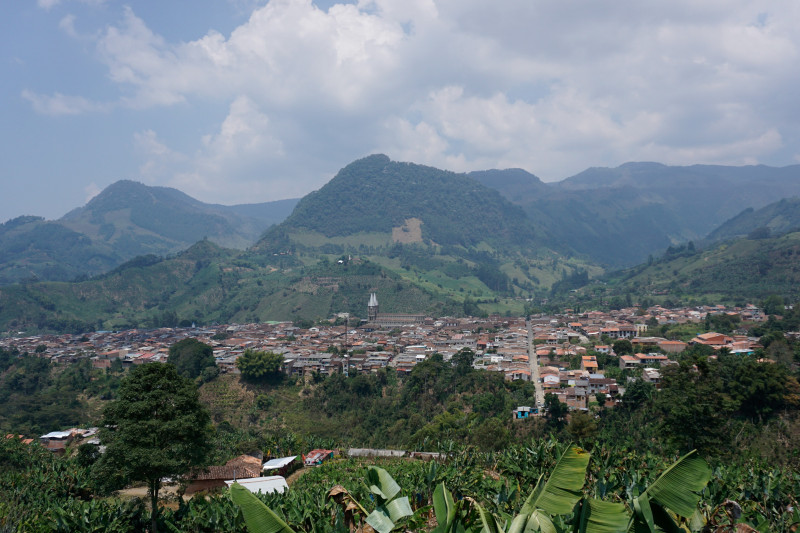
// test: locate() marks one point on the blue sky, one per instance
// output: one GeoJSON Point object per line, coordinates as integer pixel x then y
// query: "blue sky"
{"type": "Point", "coordinates": [243, 101]}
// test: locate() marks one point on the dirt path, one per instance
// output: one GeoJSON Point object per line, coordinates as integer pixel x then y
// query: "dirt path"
{"type": "Point", "coordinates": [167, 491]}
{"type": "Point", "coordinates": [294, 476]}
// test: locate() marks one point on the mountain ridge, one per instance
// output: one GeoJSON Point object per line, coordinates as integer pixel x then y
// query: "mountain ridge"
{"type": "Point", "coordinates": [125, 220]}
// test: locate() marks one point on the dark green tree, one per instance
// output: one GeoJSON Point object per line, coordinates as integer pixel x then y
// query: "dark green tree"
{"type": "Point", "coordinates": [759, 388]}
{"type": "Point", "coordinates": [622, 347]}
{"type": "Point", "coordinates": [638, 394]}
{"type": "Point", "coordinates": [582, 426]}
{"type": "Point", "coordinates": [462, 361]}
{"type": "Point", "coordinates": [695, 410]}
{"type": "Point", "coordinates": [260, 365]}
{"type": "Point", "coordinates": [773, 305]}
{"type": "Point", "coordinates": [491, 435]}
{"type": "Point", "coordinates": [556, 411]}
{"type": "Point", "coordinates": [601, 398]}
{"type": "Point", "coordinates": [157, 428]}
{"type": "Point", "coordinates": [191, 357]}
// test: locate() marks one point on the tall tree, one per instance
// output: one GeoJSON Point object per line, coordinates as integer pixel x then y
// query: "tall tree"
{"type": "Point", "coordinates": [695, 410]}
{"type": "Point", "coordinates": [191, 357]}
{"type": "Point", "coordinates": [260, 366]}
{"type": "Point", "coordinates": [157, 428]}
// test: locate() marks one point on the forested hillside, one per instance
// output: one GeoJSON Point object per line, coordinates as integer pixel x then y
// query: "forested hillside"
{"type": "Point", "coordinates": [376, 194]}
{"type": "Point", "coordinates": [742, 270]}
{"type": "Point", "coordinates": [619, 216]}
{"type": "Point", "coordinates": [126, 220]}
{"type": "Point", "coordinates": [772, 220]}
{"type": "Point", "coordinates": [207, 284]}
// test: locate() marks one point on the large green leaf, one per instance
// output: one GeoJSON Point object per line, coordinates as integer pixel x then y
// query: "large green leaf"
{"type": "Point", "coordinates": [663, 520]}
{"type": "Point", "coordinates": [385, 517]}
{"type": "Point", "coordinates": [381, 483]}
{"type": "Point", "coordinates": [603, 517]}
{"type": "Point", "coordinates": [678, 487]}
{"type": "Point", "coordinates": [563, 487]}
{"type": "Point", "coordinates": [444, 508]}
{"type": "Point", "coordinates": [258, 517]}
{"type": "Point", "coordinates": [488, 521]}
{"type": "Point", "coordinates": [643, 515]}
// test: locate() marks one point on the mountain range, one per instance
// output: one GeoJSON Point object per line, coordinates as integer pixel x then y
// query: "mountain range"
{"type": "Point", "coordinates": [619, 216]}
{"type": "Point", "coordinates": [424, 239]}
{"type": "Point", "coordinates": [125, 220]}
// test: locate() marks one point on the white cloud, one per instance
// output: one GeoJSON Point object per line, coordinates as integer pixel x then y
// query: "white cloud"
{"type": "Point", "coordinates": [91, 191]}
{"type": "Point", "coordinates": [47, 4]}
{"type": "Point", "coordinates": [60, 104]}
{"type": "Point", "coordinates": [244, 145]}
{"type": "Point", "coordinates": [553, 87]}
{"type": "Point", "coordinates": [67, 24]}
{"type": "Point", "coordinates": [159, 161]}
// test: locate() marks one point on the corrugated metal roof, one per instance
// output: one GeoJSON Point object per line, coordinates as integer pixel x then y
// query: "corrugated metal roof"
{"type": "Point", "coordinates": [278, 463]}
{"type": "Point", "coordinates": [262, 484]}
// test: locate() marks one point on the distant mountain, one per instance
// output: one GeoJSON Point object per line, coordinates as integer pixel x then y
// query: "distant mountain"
{"type": "Point", "coordinates": [425, 240]}
{"type": "Point", "coordinates": [735, 271]}
{"type": "Point", "coordinates": [441, 228]}
{"type": "Point", "coordinates": [376, 194]}
{"type": "Point", "coordinates": [517, 185]}
{"type": "Point", "coordinates": [32, 248]}
{"type": "Point", "coordinates": [125, 220]}
{"type": "Point", "coordinates": [619, 216]}
{"type": "Point", "coordinates": [772, 220]}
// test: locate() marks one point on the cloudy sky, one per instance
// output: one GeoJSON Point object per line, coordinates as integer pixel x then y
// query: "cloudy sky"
{"type": "Point", "coordinates": [240, 101]}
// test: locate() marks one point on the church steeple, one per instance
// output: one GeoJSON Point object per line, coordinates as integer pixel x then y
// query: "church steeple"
{"type": "Point", "coordinates": [372, 307]}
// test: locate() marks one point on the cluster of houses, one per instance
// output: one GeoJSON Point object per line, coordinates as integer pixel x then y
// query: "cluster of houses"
{"type": "Point", "coordinates": [500, 344]}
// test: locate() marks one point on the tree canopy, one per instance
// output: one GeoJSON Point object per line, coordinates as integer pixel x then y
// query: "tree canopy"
{"type": "Point", "coordinates": [260, 365]}
{"type": "Point", "coordinates": [192, 357]}
{"type": "Point", "coordinates": [157, 428]}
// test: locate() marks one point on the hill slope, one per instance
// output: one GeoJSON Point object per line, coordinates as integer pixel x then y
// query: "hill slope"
{"type": "Point", "coordinates": [443, 230]}
{"type": "Point", "coordinates": [125, 220]}
{"type": "Point", "coordinates": [376, 194]}
{"type": "Point", "coordinates": [774, 219]}
{"type": "Point", "coordinates": [207, 284]}
{"type": "Point", "coordinates": [735, 271]}
{"type": "Point", "coordinates": [425, 240]}
{"type": "Point", "coordinates": [619, 216]}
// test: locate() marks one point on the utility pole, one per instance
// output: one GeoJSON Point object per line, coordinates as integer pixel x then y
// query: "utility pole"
{"type": "Point", "coordinates": [346, 356]}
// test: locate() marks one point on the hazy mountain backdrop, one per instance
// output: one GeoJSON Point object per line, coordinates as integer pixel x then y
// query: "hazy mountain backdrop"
{"type": "Point", "coordinates": [126, 220]}
{"type": "Point", "coordinates": [426, 240]}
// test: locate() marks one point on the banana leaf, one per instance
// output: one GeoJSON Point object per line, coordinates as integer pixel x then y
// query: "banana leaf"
{"type": "Point", "coordinates": [444, 508]}
{"type": "Point", "coordinates": [562, 490]}
{"type": "Point", "coordinates": [677, 490]}
{"type": "Point", "coordinates": [557, 495]}
{"type": "Point", "coordinates": [389, 511]}
{"type": "Point", "coordinates": [258, 517]}
{"type": "Point", "coordinates": [381, 483]}
{"type": "Point", "coordinates": [603, 517]}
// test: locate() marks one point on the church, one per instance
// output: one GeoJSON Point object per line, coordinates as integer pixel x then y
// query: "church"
{"type": "Point", "coordinates": [376, 319]}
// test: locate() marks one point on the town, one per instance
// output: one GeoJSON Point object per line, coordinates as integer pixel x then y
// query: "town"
{"type": "Point", "coordinates": [571, 352]}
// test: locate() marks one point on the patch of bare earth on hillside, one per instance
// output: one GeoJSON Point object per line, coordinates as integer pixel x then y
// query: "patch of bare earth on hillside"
{"type": "Point", "coordinates": [409, 232]}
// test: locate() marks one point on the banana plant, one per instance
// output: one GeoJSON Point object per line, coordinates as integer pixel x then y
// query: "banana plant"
{"type": "Point", "coordinates": [676, 490]}
{"type": "Point", "coordinates": [558, 495]}
{"type": "Point", "coordinates": [450, 515]}
{"type": "Point", "coordinates": [597, 516]}
{"type": "Point", "coordinates": [390, 509]}
{"type": "Point", "coordinates": [258, 517]}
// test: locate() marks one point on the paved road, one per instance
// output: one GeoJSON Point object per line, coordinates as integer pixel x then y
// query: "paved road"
{"type": "Point", "coordinates": [533, 360]}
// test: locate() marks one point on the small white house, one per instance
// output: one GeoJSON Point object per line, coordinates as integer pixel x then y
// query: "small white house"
{"type": "Point", "coordinates": [262, 484]}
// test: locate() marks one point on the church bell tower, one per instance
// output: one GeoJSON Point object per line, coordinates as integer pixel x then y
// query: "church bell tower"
{"type": "Point", "coordinates": [372, 308]}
